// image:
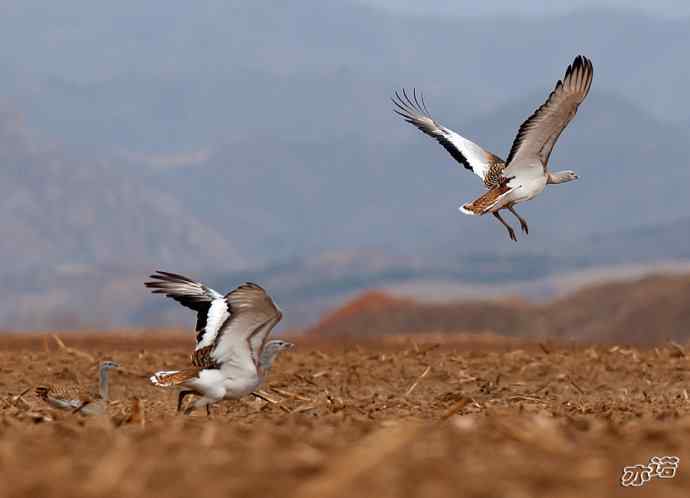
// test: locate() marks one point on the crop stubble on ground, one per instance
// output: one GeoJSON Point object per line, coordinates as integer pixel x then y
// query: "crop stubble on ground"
{"type": "Point", "coordinates": [409, 419]}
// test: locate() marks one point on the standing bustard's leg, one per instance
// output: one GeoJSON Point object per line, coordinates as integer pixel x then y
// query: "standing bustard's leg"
{"type": "Point", "coordinates": [198, 404]}
{"type": "Point", "coordinates": [181, 397]}
{"type": "Point", "coordinates": [511, 232]}
{"type": "Point", "coordinates": [523, 223]}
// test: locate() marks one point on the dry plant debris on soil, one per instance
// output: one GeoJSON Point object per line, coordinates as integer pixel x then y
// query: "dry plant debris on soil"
{"type": "Point", "coordinates": [389, 419]}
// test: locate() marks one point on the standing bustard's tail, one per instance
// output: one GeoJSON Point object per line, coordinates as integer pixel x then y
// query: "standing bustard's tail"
{"type": "Point", "coordinates": [171, 378]}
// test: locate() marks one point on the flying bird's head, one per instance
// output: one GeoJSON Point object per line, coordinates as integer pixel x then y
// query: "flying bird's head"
{"type": "Point", "coordinates": [562, 177]}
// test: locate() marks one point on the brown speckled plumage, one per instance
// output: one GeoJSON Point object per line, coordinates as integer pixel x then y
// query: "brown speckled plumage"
{"type": "Point", "coordinates": [202, 358]}
{"type": "Point", "coordinates": [493, 175]}
{"type": "Point", "coordinates": [485, 201]}
{"type": "Point", "coordinates": [64, 396]}
{"type": "Point", "coordinates": [64, 391]}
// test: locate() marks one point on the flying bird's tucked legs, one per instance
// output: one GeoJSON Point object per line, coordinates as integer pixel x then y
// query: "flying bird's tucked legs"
{"type": "Point", "coordinates": [181, 397]}
{"type": "Point", "coordinates": [523, 223]}
{"type": "Point", "coordinates": [511, 232]}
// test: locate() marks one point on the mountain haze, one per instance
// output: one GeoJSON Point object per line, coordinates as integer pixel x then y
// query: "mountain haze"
{"type": "Point", "coordinates": [234, 141]}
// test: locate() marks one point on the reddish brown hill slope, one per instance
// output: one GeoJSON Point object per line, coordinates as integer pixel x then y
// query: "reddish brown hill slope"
{"type": "Point", "coordinates": [653, 309]}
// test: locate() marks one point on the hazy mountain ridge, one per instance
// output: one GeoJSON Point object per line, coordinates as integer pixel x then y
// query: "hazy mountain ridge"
{"type": "Point", "coordinates": [614, 312]}
{"type": "Point", "coordinates": [129, 81]}
{"type": "Point", "coordinates": [59, 210]}
{"type": "Point", "coordinates": [301, 155]}
{"type": "Point", "coordinates": [283, 199]}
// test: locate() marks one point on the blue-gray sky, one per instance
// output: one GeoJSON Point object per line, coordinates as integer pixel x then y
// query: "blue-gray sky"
{"type": "Point", "coordinates": [670, 8]}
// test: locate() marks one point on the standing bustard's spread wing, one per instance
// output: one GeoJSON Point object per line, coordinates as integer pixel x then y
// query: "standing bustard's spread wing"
{"type": "Point", "coordinates": [253, 314]}
{"type": "Point", "coordinates": [211, 306]}
{"type": "Point", "coordinates": [483, 163]}
{"type": "Point", "coordinates": [538, 134]}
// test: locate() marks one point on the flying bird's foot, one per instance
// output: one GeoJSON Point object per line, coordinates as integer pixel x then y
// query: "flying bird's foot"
{"type": "Point", "coordinates": [511, 234]}
{"type": "Point", "coordinates": [525, 228]}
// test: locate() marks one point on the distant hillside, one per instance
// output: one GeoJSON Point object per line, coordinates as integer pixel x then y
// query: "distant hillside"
{"type": "Point", "coordinates": [650, 310]}
{"type": "Point", "coordinates": [283, 199]}
{"type": "Point", "coordinates": [267, 69]}
{"type": "Point", "coordinates": [61, 212]}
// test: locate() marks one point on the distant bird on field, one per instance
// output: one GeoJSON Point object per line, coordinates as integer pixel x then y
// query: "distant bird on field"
{"type": "Point", "coordinates": [232, 331]}
{"type": "Point", "coordinates": [525, 174]}
{"type": "Point", "coordinates": [75, 397]}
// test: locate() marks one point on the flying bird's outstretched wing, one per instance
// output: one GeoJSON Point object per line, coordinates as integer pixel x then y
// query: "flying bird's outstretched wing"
{"type": "Point", "coordinates": [538, 134]}
{"type": "Point", "coordinates": [483, 163]}
{"type": "Point", "coordinates": [211, 306]}
{"type": "Point", "coordinates": [253, 314]}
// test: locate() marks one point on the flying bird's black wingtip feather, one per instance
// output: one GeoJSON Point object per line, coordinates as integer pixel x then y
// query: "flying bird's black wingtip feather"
{"type": "Point", "coordinates": [416, 101]}
{"type": "Point", "coordinates": [175, 276]}
{"type": "Point", "coordinates": [426, 109]}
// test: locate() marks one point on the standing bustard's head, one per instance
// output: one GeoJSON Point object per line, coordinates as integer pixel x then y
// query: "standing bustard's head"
{"type": "Point", "coordinates": [271, 351]}
{"type": "Point", "coordinates": [275, 346]}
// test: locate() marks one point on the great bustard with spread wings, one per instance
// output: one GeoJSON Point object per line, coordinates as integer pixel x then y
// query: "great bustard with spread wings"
{"type": "Point", "coordinates": [525, 174]}
{"type": "Point", "coordinates": [232, 332]}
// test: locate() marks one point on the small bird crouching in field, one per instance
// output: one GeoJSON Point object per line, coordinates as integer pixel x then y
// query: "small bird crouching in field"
{"type": "Point", "coordinates": [74, 398]}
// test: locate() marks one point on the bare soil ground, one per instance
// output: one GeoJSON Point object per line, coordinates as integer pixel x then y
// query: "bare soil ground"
{"type": "Point", "coordinates": [397, 418]}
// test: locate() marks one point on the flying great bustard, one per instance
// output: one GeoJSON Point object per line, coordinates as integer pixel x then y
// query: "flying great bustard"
{"type": "Point", "coordinates": [232, 331]}
{"type": "Point", "coordinates": [525, 174]}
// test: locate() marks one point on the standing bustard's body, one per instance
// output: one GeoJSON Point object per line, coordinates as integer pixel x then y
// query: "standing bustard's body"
{"type": "Point", "coordinates": [525, 174]}
{"type": "Point", "coordinates": [268, 355]}
{"type": "Point", "coordinates": [232, 331]}
{"type": "Point", "coordinates": [73, 397]}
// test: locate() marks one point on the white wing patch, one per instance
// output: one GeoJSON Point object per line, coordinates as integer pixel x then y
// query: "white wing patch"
{"type": "Point", "coordinates": [483, 163]}
{"type": "Point", "coordinates": [217, 314]}
{"type": "Point", "coordinates": [476, 156]}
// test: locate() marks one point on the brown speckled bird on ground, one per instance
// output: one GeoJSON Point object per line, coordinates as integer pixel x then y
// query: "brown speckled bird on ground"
{"type": "Point", "coordinates": [76, 397]}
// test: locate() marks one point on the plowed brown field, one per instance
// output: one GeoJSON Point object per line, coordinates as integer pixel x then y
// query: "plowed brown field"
{"type": "Point", "coordinates": [390, 419]}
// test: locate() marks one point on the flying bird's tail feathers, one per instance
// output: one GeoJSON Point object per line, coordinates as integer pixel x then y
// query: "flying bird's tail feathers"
{"type": "Point", "coordinates": [467, 209]}
{"type": "Point", "coordinates": [173, 377]}
{"type": "Point", "coordinates": [486, 202]}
